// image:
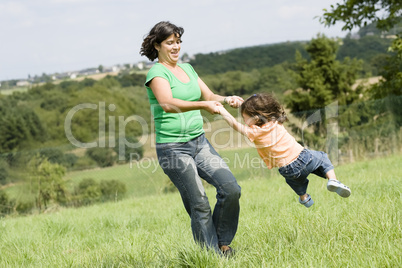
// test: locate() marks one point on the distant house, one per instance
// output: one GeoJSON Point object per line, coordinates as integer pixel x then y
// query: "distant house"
{"type": "Point", "coordinates": [140, 65]}
{"type": "Point", "coordinates": [89, 71]}
{"type": "Point", "coordinates": [23, 83]}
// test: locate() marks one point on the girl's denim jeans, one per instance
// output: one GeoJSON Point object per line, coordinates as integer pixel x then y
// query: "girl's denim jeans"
{"type": "Point", "coordinates": [185, 163]}
{"type": "Point", "coordinates": [308, 161]}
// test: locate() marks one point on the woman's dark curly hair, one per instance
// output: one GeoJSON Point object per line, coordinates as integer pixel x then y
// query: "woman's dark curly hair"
{"type": "Point", "coordinates": [264, 108]}
{"type": "Point", "coordinates": [157, 35]}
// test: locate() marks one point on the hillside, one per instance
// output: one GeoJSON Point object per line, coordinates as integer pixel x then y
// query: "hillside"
{"type": "Point", "coordinates": [370, 49]}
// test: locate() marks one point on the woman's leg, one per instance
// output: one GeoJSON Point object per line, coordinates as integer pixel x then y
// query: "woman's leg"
{"type": "Point", "coordinates": [179, 165]}
{"type": "Point", "coordinates": [215, 171]}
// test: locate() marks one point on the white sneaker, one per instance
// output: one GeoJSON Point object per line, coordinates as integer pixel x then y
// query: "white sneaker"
{"type": "Point", "coordinates": [338, 187]}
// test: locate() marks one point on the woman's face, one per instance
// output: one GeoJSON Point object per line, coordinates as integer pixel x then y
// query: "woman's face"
{"type": "Point", "coordinates": [168, 50]}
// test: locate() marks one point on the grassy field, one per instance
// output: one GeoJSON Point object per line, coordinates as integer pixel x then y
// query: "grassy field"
{"type": "Point", "coordinates": [12, 90]}
{"type": "Point", "coordinates": [153, 230]}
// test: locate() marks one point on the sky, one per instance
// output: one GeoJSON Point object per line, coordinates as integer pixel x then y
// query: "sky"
{"type": "Point", "coordinates": [49, 36]}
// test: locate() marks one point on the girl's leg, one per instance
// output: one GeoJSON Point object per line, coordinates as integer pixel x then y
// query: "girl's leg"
{"type": "Point", "coordinates": [331, 175]}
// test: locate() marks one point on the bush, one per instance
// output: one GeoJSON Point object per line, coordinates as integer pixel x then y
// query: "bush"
{"type": "Point", "coordinates": [112, 189]}
{"type": "Point", "coordinates": [128, 80]}
{"type": "Point", "coordinates": [5, 207]}
{"type": "Point", "coordinates": [54, 103]}
{"type": "Point", "coordinates": [88, 191]}
{"type": "Point", "coordinates": [3, 175]}
{"type": "Point", "coordinates": [70, 160]}
{"type": "Point", "coordinates": [55, 156]}
{"type": "Point", "coordinates": [24, 207]}
{"type": "Point", "coordinates": [84, 162]}
{"type": "Point", "coordinates": [102, 156]}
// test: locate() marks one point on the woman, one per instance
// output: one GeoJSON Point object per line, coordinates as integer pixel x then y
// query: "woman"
{"type": "Point", "coordinates": [174, 92]}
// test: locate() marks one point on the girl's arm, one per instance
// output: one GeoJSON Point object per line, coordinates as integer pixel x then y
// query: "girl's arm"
{"type": "Point", "coordinates": [239, 127]}
{"type": "Point", "coordinates": [163, 93]}
{"type": "Point", "coordinates": [207, 94]}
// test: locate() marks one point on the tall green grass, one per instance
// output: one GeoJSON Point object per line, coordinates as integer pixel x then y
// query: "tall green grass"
{"type": "Point", "coordinates": [363, 230]}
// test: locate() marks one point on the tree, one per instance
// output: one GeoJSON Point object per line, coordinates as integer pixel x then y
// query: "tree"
{"type": "Point", "coordinates": [322, 81]}
{"type": "Point", "coordinates": [357, 13]}
{"type": "Point", "coordinates": [47, 180]}
{"type": "Point", "coordinates": [386, 14]}
{"type": "Point", "coordinates": [19, 126]}
{"type": "Point", "coordinates": [112, 189]}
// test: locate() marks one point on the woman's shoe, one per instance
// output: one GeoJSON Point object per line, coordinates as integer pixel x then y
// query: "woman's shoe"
{"type": "Point", "coordinates": [227, 251]}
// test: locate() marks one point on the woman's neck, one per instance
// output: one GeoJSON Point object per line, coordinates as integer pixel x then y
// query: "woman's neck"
{"type": "Point", "coordinates": [169, 65]}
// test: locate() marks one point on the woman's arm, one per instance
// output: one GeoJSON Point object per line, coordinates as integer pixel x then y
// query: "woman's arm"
{"type": "Point", "coordinates": [233, 122]}
{"type": "Point", "coordinates": [163, 93]}
{"type": "Point", "coordinates": [207, 94]}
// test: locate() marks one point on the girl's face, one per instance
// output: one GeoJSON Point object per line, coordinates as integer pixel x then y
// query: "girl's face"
{"type": "Point", "coordinates": [249, 120]}
{"type": "Point", "coordinates": [168, 50]}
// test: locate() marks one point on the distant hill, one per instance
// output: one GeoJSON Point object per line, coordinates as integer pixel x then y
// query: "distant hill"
{"type": "Point", "coordinates": [370, 48]}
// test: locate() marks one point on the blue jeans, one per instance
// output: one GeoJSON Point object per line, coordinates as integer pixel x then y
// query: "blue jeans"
{"type": "Point", "coordinates": [307, 162]}
{"type": "Point", "coordinates": [185, 163]}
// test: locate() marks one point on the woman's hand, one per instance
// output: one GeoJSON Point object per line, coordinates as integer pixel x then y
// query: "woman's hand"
{"type": "Point", "coordinates": [212, 106]}
{"type": "Point", "coordinates": [234, 101]}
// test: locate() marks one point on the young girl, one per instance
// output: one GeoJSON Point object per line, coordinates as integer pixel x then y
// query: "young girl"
{"type": "Point", "coordinates": [264, 117]}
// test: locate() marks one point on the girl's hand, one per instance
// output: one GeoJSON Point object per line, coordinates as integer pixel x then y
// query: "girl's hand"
{"type": "Point", "coordinates": [223, 111]}
{"type": "Point", "coordinates": [234, 101]}
{"type": "Point", "coordinates": [212, 106]}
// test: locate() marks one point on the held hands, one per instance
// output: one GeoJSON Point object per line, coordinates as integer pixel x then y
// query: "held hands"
{"type": "Point", "coordinates": [212, 106]}
{"type": "Point", "coordinates": [222, 111]}
{"type": "Point", "coordinates": [234, 101]}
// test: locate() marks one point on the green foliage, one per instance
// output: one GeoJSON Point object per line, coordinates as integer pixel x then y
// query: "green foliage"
{"type": "Point", "coordinates": [24, 207]}
{"type": "Point", "coordinates": [246, 59]}
{"type": "Point", "coordinates": [357, 13]}
{"type": "Point", "coordinates": [3, 175]}
{"type": "Point", "coordinates": [89, 191]}
{"type": "Point", "coordinates": [3, 172]}
{"type": "Point", "coordinates": [112, 189]}
{"type": "Point", "coordinates": [57, 156]}
{"type": "Point", "coordinates": [323, 79]}
{"type": "Point", "coordinates": [102, 156]}
{"type": "Point", "coordinates": [130, 80]}
{"type": "Point", "coordinates": [5, 207]}
{"type": "Point", "coordinates": [19, 127]}
{"type": "Point", "coordinates": [391, 84]}
{"type": "Point", "coordinates": [47, 180]}
{"type": "Point", "coordinates": [386, 14]}
{"type": "Point", "coordinates": [269, 79]}
{"type": "Point", "coordinates": [371, 49]}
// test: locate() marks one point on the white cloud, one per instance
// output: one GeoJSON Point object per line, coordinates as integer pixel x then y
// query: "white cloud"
{"type": "Point", "coordinates": [297, 11]}
{"type": "Point", "coordinates": [13, 9]}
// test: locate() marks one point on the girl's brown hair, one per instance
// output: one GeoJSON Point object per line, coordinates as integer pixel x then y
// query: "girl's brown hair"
{"type": "Point", "coordinates": [264, 108]}
{"type": "Point", "coordinates": [157, 35]}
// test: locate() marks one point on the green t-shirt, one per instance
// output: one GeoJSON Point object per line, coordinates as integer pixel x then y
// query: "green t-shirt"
{"type": "Point", "coordinates": [176, 127]}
